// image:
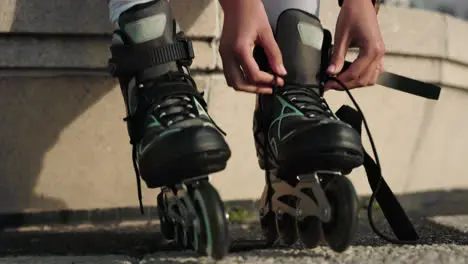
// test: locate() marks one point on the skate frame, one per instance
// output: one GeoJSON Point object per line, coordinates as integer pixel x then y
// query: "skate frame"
{"type": "Point", "coordinates": [180, 207]}
{"type": "Point", "coordinates": [306, 205]}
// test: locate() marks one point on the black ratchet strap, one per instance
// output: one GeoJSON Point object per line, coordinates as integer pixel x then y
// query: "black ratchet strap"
{"type": "Point", "coordinates": [130, 60]}
{"type": "Point", "coordinates": [391, 208]}
{"type": "Point", "coordinates": [405, 84]}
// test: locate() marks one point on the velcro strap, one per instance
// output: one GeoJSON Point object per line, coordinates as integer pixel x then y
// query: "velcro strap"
{"type": "Point", "coordinates": [404, 84]}
{"type": "Point", "coordinates": [131, 60]}
{"type": "Point", "coordinates": [391, 208]}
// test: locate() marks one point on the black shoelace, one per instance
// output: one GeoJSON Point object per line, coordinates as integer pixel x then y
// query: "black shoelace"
{"type": "Point", "coordinates": [307, 99]}
{"type": "Point", "coordinates": [175, 109]}
{"type": "Point", "coordinates": [276, 90]}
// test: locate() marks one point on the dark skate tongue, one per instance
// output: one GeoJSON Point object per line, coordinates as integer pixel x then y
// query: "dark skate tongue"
{"type": "Point", "coordinates": [300, 36]}
{"type": "Point", "coordinates": [149, 24]}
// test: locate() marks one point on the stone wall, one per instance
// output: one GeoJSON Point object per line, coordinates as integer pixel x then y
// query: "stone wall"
{"type": "Point", "coordinates": [457, 8]}
{"type": "Point", "coordinates": [63, 144]}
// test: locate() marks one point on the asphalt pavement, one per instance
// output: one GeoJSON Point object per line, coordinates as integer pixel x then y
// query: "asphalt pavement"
{"type": "Point", "coordinates": [444, 239]}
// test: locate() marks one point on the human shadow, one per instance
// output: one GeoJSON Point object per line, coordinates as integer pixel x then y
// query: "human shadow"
{"type": "Point", "coordinates": [144, 241]}
{"type": "Point", "coordinates": [110, 237]}
{"type": "Point", "coordinates": [35, 109]}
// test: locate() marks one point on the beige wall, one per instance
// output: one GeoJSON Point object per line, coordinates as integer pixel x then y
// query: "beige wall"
{"type": "Point", "coordinates": [63, 144]}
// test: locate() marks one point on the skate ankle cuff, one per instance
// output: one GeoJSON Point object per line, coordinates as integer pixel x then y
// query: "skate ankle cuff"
{"type": "Point", "coordinates": [130, 60]}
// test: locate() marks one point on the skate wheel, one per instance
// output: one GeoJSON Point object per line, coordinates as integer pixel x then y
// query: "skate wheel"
{"type": "Point", "coordinates": [166, 225]}
{"type": "Point", "coordinates": [191, 238]}
{"type": "Point", "coordinates": [212, 239]}
{"type": "Point", "coordinates": [268, 226]}
{"type": "Point", "coordinates": [285, 225]}
{"type": "Point", "coordinates": [309, 230]}
{"type": "Point", "coordinates": [341, 229]}
{"type": "Point", "coordinates": [310, 227]}
{"type": "Point", "coordinates": [180, 236]}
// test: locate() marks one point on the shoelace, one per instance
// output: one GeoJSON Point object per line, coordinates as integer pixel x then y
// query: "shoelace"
{"type": "Point", "coordinates": [374, 150]}
{"type": "Point", "coordinates": [306, 99]}
{"type": "Point", "coordinates": [172, 109]}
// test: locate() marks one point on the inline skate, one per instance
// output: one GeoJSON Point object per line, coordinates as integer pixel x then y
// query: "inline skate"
{"type": "Point", "coordinates": [306, 150]}
{"type": "Point", "coordinates": [175, 142]}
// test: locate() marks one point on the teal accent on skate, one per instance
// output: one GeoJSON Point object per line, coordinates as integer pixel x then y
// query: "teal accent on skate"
{"type": "Point", "coordinates": [168, 131]}
{"type": "Point", "coordinates": [200, 109]}
{"type": "Point", "coordinates": [274, 146]}
{"type": "Point", "coordinates": [284, 106]}
{"type": "Point", "coordinates": [154, 122]}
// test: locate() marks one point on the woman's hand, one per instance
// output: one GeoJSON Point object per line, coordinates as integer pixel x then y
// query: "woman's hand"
{"type": "Point", "coordinates": [358, 26]}
{"type": "Point", "coordinates": [245, 26]}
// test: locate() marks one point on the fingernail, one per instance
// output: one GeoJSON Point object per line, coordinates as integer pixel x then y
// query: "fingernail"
{"type": "Point", "coordinates": [331, 69]}
{"type": "Point", "coordinates": [282, 69]}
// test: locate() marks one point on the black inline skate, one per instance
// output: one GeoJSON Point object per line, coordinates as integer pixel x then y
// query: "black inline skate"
{"type": "Point", "coordinates": [303, 147]}
{"type": "Point", "coordinates": [306, 150]}
{"type": "Point", "coordinates": [175, 142]}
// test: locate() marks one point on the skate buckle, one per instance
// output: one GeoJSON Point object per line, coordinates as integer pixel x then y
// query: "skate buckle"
{"type": "Point", "coordinates": [299, 213]}
{"type": "Point", "coordinates": [189, 49]}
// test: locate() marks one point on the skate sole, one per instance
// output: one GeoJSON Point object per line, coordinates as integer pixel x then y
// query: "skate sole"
{"type": "Point", "coordinates": [333, 160]}
{"type": "Point", "coordinates": [184, 168]}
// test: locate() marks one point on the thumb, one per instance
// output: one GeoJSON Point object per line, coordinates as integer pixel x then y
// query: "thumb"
{"type": "Point", "coordinates": [272, 51]}
{"type": "Point", "coordinates": [338, 56]}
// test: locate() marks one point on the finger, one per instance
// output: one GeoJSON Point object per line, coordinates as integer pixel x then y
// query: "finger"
{"type": "Point", "coordinates": [355, 75]}
{"type": "Point", "coordinates": [371, 55]}
{"type": "Point", "coordinates": [227, 74]}
{"type": "Point", "coordinates": [338, 53]}
{"type": "Point", "coordinates": [377, 72]}
{"type": "Point", "coordinates": [250, 67]}
{"type": "Point", "coordinates": [272, 51]}
{"type": "Point", "coordinates": [241, 84]}
{"type": "Point", "coordinates": [381, 66]}
{"type": "Point", "coordinates": [373, 75]}
{"type": "Point", "coordinates": [368, 78]}
{"type": "Point", "coordinates": [332, 85]}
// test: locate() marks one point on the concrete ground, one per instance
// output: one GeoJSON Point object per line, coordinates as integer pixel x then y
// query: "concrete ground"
{"type": "Point", "coordinates": [444, 239]}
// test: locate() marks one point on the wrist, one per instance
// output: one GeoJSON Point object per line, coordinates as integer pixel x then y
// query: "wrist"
{"type": "Point", "coordinates": [374, 3]}
{"type": "Point", "coordinates": [230, 6]}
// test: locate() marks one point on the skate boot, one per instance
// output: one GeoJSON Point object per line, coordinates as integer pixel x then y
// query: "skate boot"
{"type": "Point", "coordinates": [175, 142]}
{"type": "Point", "coordinates": [303, 147]}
